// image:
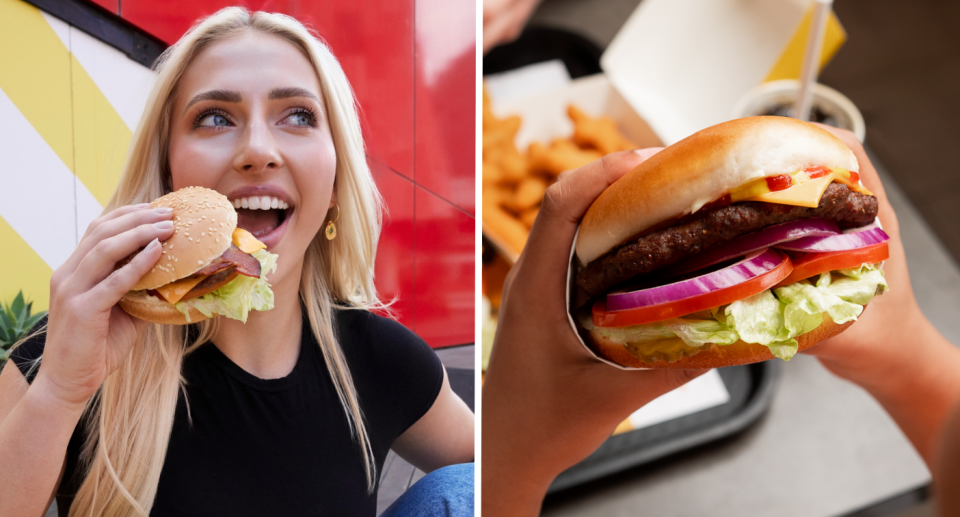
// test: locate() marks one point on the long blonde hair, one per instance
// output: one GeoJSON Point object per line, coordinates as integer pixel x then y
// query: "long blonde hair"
{"type": "Point", "coordinates": [130, 420]}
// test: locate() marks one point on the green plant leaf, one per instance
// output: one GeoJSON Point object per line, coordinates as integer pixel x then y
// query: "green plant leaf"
{"type": "Point", "coordinates": [32, 320]}
{"type": "Point", "coordinates": [17, 308]}
{"type": "Point", "coordinates": [5, 321]}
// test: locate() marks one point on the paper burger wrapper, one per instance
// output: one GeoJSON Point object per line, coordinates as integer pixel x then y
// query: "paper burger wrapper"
{"type": "Point", "coordinates": [571, 295]}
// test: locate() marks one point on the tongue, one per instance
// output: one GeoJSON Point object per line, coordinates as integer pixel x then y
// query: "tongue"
{"type": "Point", "coordinates": [258, 222]}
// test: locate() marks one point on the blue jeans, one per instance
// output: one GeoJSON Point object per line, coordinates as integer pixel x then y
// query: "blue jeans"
{"type": "Point", "coordinates": [445, 492]}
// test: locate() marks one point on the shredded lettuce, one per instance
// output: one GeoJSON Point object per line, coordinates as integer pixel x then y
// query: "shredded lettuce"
{"type": "Point", "coordinates": [239, 296]}
{"type": "Point", "coordinates": [773, 318]}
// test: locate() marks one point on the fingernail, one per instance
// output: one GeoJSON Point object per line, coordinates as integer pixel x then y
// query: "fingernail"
{"type": "Point", "coordinates": [163, 210]}
{"type": "Point", "coordinates": [163, 225]}
{"type": "Point", "coordinates": [155, 243]}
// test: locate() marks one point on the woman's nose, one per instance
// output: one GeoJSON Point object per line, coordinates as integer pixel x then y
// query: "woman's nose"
{"type": "Point", "coordinates": [257, 149]}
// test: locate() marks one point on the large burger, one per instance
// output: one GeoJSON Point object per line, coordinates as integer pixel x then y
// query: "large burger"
{"type": "Point", "coordinates": [749, 240]}
{"type": "Point", "coordinates": [209, 267]}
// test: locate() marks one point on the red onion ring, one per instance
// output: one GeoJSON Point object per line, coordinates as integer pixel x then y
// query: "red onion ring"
{"type": "Point", "coordinates": [765, 238]}
{"type": "Point", "coordinates": [842, 242]}
{"type": "Point", "coordinates": [752, 266]}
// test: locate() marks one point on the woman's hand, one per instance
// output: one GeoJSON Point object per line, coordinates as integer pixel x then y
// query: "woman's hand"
{"type": "Point", "coordinates": [863, 351]}
{"type": "Point", "coordinates": [893, 351]}
{"type": "Point", "coordinates": [88, 334]}
{"type": "Point", "coordinates": [547, 404]}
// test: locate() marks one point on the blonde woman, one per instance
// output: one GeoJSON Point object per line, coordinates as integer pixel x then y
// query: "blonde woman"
{"type": "Point", "coordinates": [291, 413]}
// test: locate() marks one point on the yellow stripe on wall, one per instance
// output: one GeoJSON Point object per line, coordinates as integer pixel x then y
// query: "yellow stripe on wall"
{"type": "Point", "coordinates": [791, 61]}
{"type": "Point", "coordinates": [26, 271]}
{"type": "Point", "coordinates": [35, 74]}
{"type": "Point", "coordinates": [101, 137]}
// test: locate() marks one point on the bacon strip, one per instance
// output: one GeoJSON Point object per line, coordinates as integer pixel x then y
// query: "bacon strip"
{"type": "Point", "coordinates": [245, 263]}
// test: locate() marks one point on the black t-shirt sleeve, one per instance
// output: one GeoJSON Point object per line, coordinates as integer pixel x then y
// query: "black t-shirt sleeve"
{"type": "Point", "coordinates": [27, 355]}
{"type": "Point", "coordinates": [397, 375]}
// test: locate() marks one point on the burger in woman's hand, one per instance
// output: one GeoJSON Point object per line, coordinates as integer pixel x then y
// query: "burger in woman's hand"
{"type": "Point", "coordinates": [209, 267]}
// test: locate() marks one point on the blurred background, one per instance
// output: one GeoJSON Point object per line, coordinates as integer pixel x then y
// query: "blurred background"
{"type": "Point", "coordinates": [785, 438]}
{"type": "Point", "coordinates": [75, 74]}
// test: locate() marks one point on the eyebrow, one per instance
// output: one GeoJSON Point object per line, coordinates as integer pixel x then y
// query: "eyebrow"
{"type": "Point", "coordinates": [231, 96]}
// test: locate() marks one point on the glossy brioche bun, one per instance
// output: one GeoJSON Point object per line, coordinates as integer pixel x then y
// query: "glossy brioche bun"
{"type": "Point", "coordinates": [714, 356]}
{"type": "Point", "coordinates": [700, 169]}
{"type": "Point", "coordinates": [203, 224]}
{"type": "Point", "coordinates": [155, 310]}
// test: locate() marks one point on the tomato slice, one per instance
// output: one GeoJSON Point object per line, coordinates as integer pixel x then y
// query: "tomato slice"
{"type": "Point", "coordinates": [664, 311]}
{"type": "Point", "coordinates": [806, 265]}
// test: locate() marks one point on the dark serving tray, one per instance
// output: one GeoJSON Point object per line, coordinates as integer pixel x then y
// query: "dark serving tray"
{"type": "Point", "coordinates": [751, 388]}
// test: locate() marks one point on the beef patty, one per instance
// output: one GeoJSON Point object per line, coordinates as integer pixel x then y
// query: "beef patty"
{"type": "Point", "coordinates": [700, 231]}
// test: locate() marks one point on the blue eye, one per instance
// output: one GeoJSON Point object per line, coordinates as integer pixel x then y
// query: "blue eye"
{"type": "Point", "coordinates": [218, 120]}
{"type": "Point", "coordinates": [212, 118]}
{"type": "Point", "coordinates": [303, 117]}
{"type": "Point", "coordinates": [300, 119]}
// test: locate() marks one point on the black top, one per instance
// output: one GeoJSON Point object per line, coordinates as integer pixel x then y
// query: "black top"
{"type": "Point", "coordinates": [282, 446]}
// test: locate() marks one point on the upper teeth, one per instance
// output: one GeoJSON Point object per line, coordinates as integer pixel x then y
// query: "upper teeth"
{"type": "Point", "coordinates": [259, 203]}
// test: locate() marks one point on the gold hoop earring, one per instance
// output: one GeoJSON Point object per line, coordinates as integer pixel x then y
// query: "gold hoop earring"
{"type": "Point", "coordinates": [331, 230]}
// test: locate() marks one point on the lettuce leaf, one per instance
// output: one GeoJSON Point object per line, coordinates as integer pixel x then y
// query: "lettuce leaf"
{"type": "Point", "coordinates": [692, 332]}
{"type": "Point", "coordinates": [773, 318]}
{"type": "Point", "coordinates": [239, 296]}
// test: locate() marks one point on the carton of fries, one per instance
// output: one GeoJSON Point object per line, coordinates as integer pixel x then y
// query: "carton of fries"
{"type": "Point", "coordinates": [675, 67]}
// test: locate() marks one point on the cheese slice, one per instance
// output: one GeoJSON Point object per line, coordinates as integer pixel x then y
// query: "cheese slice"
{"type": "Point", "coordinates": [246, 241]}
{"type": "Point", "coordinates": [173, 291]}
{"type": "Point", "coordinates": [805, 194]}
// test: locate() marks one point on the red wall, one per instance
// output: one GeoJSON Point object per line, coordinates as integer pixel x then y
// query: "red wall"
{"type": "Point", "coordinates": [412, 64]}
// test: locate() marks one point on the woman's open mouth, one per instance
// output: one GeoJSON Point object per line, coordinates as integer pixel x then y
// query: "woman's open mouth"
{"type": "Point", "coordinates": [264, 217]}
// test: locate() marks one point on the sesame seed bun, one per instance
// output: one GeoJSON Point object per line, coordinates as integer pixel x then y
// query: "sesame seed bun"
{"type": "Point", "coordinates": [203, 224]}
{"type": "Point", "coordinates": [701, 169]}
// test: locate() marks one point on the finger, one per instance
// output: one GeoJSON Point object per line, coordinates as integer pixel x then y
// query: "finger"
{"type": "Point", "coordinates": [113, 214]}
{"type": "Point", "coordinates": [108, 292]}
{"type": "Point", "coordinates": [103, 258]}
{"type": "Point", "coordinates": [548, 246]}
{"type": "Point", "coordinates": [120, 220]}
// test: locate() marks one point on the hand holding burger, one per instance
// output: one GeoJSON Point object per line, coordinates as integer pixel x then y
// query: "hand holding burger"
{"type": "Point", "coordinates": [208, 267]}
{"type": "Point", "coordinates": [547, 404]}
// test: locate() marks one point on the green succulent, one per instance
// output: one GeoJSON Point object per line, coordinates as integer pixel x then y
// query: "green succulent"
{"type": "Point", "coordinates": [15, 322]}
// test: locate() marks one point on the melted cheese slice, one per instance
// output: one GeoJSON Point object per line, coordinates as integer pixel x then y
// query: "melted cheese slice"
{"type": "Point", "coordinates": [805, 194]}
{"type": "Point", "coordinates": [246, 241]}
{"type": "Point", "coordinates": [173, 291]}
{"type": "Point", "coordinates": [805, 191]}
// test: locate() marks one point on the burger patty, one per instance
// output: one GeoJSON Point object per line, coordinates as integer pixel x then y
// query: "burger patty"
{"type": "Point", "coordinates": [699, 232]}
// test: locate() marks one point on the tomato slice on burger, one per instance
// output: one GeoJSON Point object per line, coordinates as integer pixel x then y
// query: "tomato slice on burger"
{"type": "Point", "coordinates": [689, 304]}
{"type": "Point", "coordinates": [806, 265]}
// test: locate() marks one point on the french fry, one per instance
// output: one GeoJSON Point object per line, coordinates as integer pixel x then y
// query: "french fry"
{"type": "Point", "coordinates": [501, 133]}
{"type": "Point", "coordinates": [563, 155]}
{"type": "Point", "coordinates": [505, 226]}
{"type": "Point", "coordinates": [496, 194]}
{"type": "Point", "coordinates": [491, 173]}
{"type": "Point", "coordinates": [601, 133]}
{"type": "Point", "coordinates": [514, 165]}
{"type": "Point", "coordinates": [528, 194]}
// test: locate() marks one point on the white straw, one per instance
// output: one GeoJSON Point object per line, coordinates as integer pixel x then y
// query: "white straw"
{"type": "Point", "coordinates": [811, 58]}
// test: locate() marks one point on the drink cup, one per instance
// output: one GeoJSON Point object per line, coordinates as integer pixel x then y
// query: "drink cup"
{"type": "Point", "coordinates": [778, 98]}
